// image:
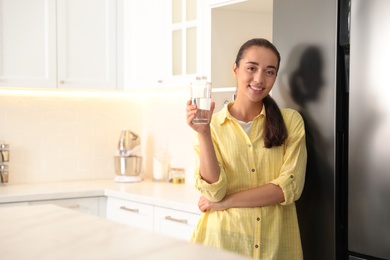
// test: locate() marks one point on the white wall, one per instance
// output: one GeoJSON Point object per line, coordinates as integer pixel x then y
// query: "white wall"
{"type": "Point", "coordinates": [61, 136]}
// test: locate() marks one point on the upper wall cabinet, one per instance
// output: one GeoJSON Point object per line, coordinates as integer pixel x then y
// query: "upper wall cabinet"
{"type": "Point", "coordinates": [86, 31]}
{"type": "Point", "coordinates": [27, 43]}
{"type": "Point", "coordinates": [69, 44]}
{"type": "Point", "coordinates": [142, 39]}
{"type": "Point", "coordinates": [189, 40]}
{"type": "Point", "coordinates": [165, 42]}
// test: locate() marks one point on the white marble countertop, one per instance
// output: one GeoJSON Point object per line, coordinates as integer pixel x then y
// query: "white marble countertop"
{"type": "Point", "coordinates": [55, 233]}
{"type": "Point", "coordinates": [176, 196]}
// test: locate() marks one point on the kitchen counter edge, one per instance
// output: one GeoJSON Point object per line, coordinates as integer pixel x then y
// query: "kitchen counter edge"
{"type": "Point", "coordinates": [164, 194]}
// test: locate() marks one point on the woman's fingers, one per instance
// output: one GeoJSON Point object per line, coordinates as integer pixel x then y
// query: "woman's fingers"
{"type": "Point", "coordinates": [191, 110]}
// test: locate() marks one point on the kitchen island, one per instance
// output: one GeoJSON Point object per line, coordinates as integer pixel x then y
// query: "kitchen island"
{"type": "Point", "coordinates": [52, 232]}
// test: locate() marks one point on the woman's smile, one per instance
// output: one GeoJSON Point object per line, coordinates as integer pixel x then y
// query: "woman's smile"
{"type": "Point", "coordinates": [256, 87]}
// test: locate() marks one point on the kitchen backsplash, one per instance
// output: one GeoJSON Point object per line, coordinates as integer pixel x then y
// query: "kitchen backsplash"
{"type": "Point", "coordinates": [61, 136]}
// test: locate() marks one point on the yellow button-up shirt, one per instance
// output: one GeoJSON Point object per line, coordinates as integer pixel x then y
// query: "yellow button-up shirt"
{"type": "Point", "coordinates": [270, 232]}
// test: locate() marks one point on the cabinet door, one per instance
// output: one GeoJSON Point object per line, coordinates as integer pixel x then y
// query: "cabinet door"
{"type": "Point", "coordinates": [27, 43]}
{"type": "Point", "coordinates": [130, 213]}
{"type": "Point", "coordinates": [86, 44]}
{"type": "Point", "coordinates": [188, 41]}
{"type": "Point", "coordinates": [83, 205]}
{"type": "Point", "coordinates": [174, 223]}
{"type": "Point", "coordinates": [145, 38]}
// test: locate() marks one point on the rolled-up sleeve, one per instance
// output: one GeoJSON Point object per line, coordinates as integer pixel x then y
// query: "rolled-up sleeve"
{"type": "Point", "coordinates": [213, 192]}
{"type": "Point", "coordinates": [293, 170]}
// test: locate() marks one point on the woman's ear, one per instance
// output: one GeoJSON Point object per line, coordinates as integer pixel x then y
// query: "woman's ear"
{"type": "Point", "coordinates": [235, 70]}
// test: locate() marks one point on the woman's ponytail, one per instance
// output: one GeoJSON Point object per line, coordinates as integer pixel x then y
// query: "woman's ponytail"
{"type": "Point", "coordinates": [275, 132]}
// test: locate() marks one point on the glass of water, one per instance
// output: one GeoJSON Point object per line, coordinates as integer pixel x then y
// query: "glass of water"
{"type": "Point", "coordinates": [201, 97]}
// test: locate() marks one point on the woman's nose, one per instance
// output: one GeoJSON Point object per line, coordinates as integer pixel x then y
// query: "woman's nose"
{"type": "Point", "coordinates": [259, 77]}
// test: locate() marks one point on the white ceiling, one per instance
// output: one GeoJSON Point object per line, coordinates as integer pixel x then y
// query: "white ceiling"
{"type": "Point", "coordinates": [264, 6]}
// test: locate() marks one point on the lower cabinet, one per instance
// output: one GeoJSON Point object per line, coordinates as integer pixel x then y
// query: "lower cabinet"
{"type": "Point", "coordinates": [174, 223]}
{"type": "Point", "coordinates": [131, 213]}
{"type": "Point", "coordinates": [91, 205]}
{"type": "Point", "coordinates": [166, 221]}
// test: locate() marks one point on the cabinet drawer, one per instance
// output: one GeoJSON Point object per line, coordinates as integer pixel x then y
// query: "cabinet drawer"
{"type": "Point", "coordinates": [130, 213]}
{"type": "Point", "coordinates": [174, 223]}
{"type": "Point", "coordinates": [84, 205]}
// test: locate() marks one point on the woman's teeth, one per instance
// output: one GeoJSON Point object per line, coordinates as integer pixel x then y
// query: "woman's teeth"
{"type": "Point", "coordinates": [255, 88]}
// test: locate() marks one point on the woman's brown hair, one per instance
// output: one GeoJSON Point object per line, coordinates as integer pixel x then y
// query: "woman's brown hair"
{"type": "Point", "coordinates": [275, 132]}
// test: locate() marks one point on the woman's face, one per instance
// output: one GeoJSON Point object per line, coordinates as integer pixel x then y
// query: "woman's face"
{"type": "Point", "coordinates": [256, 73]}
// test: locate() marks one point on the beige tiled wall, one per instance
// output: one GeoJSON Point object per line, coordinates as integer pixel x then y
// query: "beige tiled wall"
{"type": "Point", "coordinates": [60, 136]}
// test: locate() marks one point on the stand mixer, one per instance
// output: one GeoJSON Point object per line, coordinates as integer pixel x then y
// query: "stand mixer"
{"type": "Point", "coordinates": [128, 161]}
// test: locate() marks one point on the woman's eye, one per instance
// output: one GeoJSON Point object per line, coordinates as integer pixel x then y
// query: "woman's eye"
{"type": "Point", "coordinates": [251, 68]}
{"type": "Point", "coordinates": [270, 72]}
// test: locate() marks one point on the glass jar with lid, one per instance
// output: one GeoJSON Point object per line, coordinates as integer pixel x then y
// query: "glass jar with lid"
{"type": "Point", "coordinates": [177, 175]}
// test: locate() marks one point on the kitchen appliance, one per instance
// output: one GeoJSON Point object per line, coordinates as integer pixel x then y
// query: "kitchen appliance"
{"type": "Point", "coordinates": [4, 152]}
{"type": "Point", "coordinates": [3, 173]}
{"type": "Point", "coordinates": [334, 71]}
{"type": "Point", "coordinates": [4, 159]}
{"type": "Point", "coordinates": [128, 160]}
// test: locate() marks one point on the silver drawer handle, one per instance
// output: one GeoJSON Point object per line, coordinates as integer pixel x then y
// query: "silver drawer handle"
{"type": "Point", "coordinates": [75, 206]}
{"type": "Point", "coordinates": [184, 221]}
{"type": "Point", "coordinates": [127, 209]}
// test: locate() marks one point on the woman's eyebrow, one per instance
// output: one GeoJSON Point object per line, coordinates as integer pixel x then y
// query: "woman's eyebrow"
{"type": "Point", "coordinates": [252, 62]}
{"type": "Point", "coordinates": [255, 63]}
{"type": "Point", "coordinates": [271, 67]}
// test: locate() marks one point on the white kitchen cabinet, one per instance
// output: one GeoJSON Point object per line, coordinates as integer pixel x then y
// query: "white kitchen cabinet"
{"type": "Point", "coordinates": [69, 44]}
{"type": "Point", "coordinates": [91, 205]}
{"type": "Point", "coordinates": [86, 31]}
{"type": "Point", "coordinates": [174, 223]}
{"type": "Point", "coordinates": [171, 222]}
{"type": "Point", "coordinates": [165, 42]}
{"type": "Point", "coordinates": [131, 213]}
{"type": "Point", "coordinates": [28, 43]}
{"type": "Point", "coordinates": [143, 26]}
{"type": "Point", "coordinates": [189, 41]}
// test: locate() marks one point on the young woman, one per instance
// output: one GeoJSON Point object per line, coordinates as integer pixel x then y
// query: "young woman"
{"type": "Point", "coordinates": [251, 164]}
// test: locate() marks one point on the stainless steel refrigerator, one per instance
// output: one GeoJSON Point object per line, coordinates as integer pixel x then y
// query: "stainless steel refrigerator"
{"type": "Point", "coordinates": [335, 70]}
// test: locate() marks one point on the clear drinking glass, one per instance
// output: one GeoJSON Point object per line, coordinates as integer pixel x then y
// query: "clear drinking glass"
{"type": "Point", "coordinates": [201, 97]}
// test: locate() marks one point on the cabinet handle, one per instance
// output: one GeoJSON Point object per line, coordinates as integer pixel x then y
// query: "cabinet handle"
{"type": "Point", "coordinates": [62, 81]}
{"type": "Point", "coordinates": [127, 209]}
{"type": "Point", "coordinates": [184, 221]}
{"type": "Point", "coordinates": [75, 206]}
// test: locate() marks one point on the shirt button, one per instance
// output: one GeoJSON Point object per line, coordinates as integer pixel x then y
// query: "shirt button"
{"type": "Point", "coordinates": [292, 176]}
{"type": "Point", "coordinates": [258, 219]}
{"type": "Point", "coordinates": [253, 170]}
{"type": "Point", "coordinates": [257, 246]}
{"type": "Point", "coordinates": [249, 145]}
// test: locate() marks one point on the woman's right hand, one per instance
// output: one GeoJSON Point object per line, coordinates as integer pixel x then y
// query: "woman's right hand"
{"type": "Point", "coordinates": [191, 112]}
{"type": "Point", "coordinates": [204, 204]}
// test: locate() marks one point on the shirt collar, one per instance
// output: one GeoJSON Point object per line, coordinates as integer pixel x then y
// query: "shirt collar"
{"type": "Point", "coordinates": [224, 114]}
